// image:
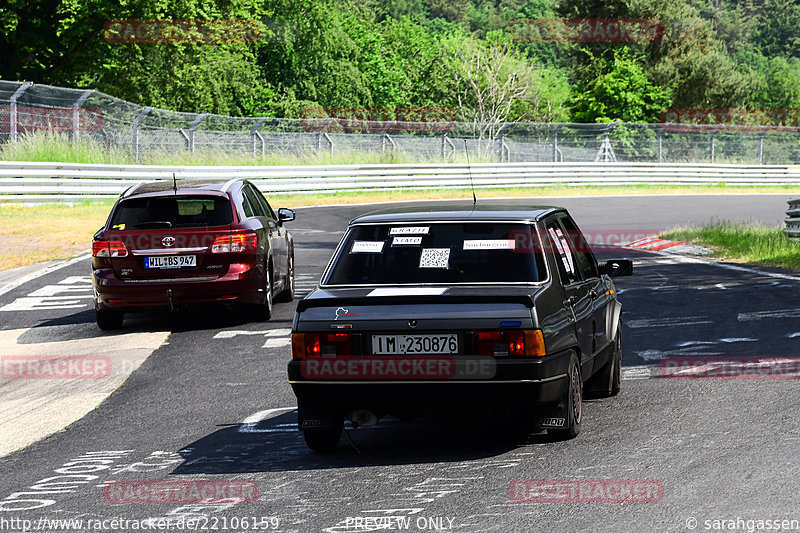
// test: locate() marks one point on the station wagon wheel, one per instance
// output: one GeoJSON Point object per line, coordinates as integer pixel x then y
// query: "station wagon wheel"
{"type": "Point", "coordinates": [109, 320]}
{"type": "Point", "coordinates": [287, 294]}
{"type": "Point", "coordinates": [574, 403]}
{"type": "Point", "coordinates": [263, 312]}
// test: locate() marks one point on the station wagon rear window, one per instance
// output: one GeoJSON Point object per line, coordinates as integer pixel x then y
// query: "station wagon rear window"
{"type": "Point", "coordinates": [172, 212]}
{"type": "Point", "coordinates": [447, 253]}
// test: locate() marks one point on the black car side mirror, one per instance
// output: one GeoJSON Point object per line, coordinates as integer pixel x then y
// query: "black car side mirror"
{"type": "Point", "coordinates": [285, 215]}
{"type": "Point", "coordinates": [617, 267]}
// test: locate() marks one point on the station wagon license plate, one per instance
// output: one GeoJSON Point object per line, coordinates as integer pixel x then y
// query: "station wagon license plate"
{"type": "Point", "coordinates": [413, 344]}
{"type": "Point", "coordinates": [170, 261]}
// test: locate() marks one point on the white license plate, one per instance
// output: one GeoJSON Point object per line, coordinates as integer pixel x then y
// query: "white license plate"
{"type": "Point", "coordinates": [410, 344]}
{"type": "Point", "coordinates": [170, 261]}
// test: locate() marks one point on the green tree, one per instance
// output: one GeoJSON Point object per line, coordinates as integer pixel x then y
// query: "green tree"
{"type": "Point", "coordinates": [622, 93]}
{"type": "Point", "coordinates": [775, 31]}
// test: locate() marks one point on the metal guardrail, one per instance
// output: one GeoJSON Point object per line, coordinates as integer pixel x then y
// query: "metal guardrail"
{"type": "Point", "coordinates": [792, 229]}
{"type": "Point", "coordinates": [31, 182]}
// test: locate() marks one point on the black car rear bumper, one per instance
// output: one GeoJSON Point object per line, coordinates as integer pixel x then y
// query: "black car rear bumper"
{"type": "Point", "coordinates": [517, 385]}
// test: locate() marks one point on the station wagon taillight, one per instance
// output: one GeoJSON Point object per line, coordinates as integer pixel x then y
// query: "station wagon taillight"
{"type": "Point", "coordinates": [109, 249]}
{"type": "Point", "coordinates": [245, 242]}
{"type": "Point", "coordinates": [305, 345]}
{"type": "Point", "coordinates": [510, 343]}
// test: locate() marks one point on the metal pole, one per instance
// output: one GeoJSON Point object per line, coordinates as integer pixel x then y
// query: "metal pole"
{"type": "Point", "coordinates": [713, 145]}
{"type": "Point", "coordinates": [555, 145]}
{"type": "Point", "coordinates": [761, 148]}
{"type": "Point", "coordinates": [143, 113]}
{"type": "Point", "coordinates": [254, 132]}
{"type": "Point", "coordinates": [76, 116]}
{"type": "Point", "coordinates": [13, 118]}
{"type": "Point", "coordinates": [192, 127]}
{"type": "Point", "coordinates": [660, 139]}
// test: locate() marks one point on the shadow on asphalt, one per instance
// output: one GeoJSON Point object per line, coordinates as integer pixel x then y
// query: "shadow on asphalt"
{"type": "Point", "coordinates": [82, 325]}
{"type": "Point", "coordinates": [276, 445]}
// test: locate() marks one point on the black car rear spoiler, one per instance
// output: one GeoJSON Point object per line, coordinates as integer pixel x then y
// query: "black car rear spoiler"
{"type": "Point", "coordinates": [308, 303]}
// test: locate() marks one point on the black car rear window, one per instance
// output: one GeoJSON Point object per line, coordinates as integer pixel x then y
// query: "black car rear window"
{"type": "Point", "coordinates": [446, 253]}
{"type": "Point", "coordinates": [172, 212]}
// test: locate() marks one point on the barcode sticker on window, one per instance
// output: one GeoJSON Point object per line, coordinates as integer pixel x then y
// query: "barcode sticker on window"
{"type": "Point", "coordinates": [367, 247]}
{"type": "Point", "coordinates": [435, 258]}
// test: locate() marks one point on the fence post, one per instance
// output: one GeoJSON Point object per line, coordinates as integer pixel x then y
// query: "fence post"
{"type": "Point", "coordinates": [660, 140]}
{"type": "Point", "coordinates": [555, 145]}
{"type": "Point", "coordinates": [254, 135]}
{"type": "Point", "coordinates": [713, 145]}
{"type": "Point", "coordinates": [76, 115]}
{"type": "Point", "coordinates": [143, 113]}
{"type": "Point", "coordinates": [13, 108]}
{"type": "Point", "coordinates": [761, 147]}
{"type": "Point", "coordinates": [192, 127]}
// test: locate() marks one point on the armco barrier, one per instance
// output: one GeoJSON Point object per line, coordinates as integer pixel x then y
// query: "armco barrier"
{"type": "Point", "coordinates": [792, 229]}
{"type": "Point", "coordinates": [32, 182]}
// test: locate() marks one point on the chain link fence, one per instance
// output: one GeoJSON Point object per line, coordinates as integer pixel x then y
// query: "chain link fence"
{"type": "Point", "coordinates": [27, 108]}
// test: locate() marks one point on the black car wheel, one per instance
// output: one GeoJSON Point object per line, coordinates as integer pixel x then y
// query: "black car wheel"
{"type": "Point", "coordinates": [287, 294]}
{"type": "Point", "coordinates": [574, 403]}
{"type": "Point", "coordinates": [323, 440]}
{"type": "Point", "coordinates": [109, 320]}
{"type": "Point", "coordinates": [607, 382]}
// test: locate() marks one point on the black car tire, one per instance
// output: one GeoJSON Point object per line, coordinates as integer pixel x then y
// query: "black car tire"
{"type": "Point", "coordinates": [323, 440]}
{"type": "Point", "coordinates": [608, 380]}
{"type": "Point", "coordinates": [263, 312]}
{"type": "Point", "coordinates": [574, 403]}
{"type": "Point", "coordinates": [109, 320]}
{"type": "Point", "coordinates": [613, 375]}
{"type": "Point", "coordinates": [287, 294]}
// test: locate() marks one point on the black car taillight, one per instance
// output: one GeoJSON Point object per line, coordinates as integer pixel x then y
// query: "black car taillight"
{"type": "Point", "coordinates": [305, 345]}
{"type": "Point", "coordinates": [510, 343]}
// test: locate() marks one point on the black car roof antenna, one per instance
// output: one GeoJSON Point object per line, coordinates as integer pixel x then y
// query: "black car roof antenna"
{"type": "Point", "coordinates": [469, 170]}
{"type": "Point", "coordinates": [174, 183]}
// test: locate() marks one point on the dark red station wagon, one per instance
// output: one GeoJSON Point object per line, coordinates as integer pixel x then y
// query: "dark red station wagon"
{"type": "Point", "coordinates": [169, 244]}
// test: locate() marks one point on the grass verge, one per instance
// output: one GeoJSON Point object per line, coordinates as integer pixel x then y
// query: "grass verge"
{"type": "Point", "coordinates": [743, 243]}
{"type": "Point", "coordinates": [35, 234]}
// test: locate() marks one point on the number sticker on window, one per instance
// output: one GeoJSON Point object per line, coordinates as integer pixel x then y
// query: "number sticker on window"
{"type": "Point", "coordinates": [411, 230]}
{"type": "Point", "coordinates": [406, 241]}
{"type": "Point", "coordinates": [367, 247]}
{"type": "Point", "coordinates": [489, 244]}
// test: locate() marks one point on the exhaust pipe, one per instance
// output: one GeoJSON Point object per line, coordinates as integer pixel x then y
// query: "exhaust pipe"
{"type": "Point", "coordinates": [362, 417]}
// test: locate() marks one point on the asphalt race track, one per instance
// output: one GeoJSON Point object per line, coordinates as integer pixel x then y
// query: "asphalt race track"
{"type": "Point", "coordinates": [212, 403]}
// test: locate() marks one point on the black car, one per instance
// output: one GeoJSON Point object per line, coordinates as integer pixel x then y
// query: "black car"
{"type": "Point", "coordinates": [432, 311]}
{"type": "Point", "coordinates": [174, 243]}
